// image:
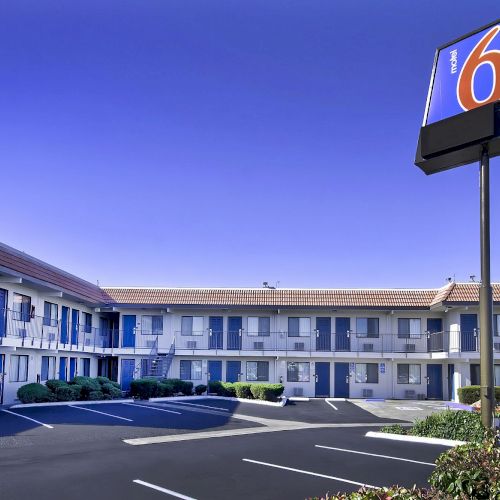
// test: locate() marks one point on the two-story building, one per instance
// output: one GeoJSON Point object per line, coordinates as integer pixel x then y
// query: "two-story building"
{"type": "Point", "coordinates": [358, 343]}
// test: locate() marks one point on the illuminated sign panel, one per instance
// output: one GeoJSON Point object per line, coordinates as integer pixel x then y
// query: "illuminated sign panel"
{"type": "Point", "coordinates": [466, 75]}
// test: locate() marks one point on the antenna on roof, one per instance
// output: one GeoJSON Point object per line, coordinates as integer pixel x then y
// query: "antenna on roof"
{"type": "Point", "coordinates": [265, 284]}
{"type": "Point", "coordinates": [472, 278]}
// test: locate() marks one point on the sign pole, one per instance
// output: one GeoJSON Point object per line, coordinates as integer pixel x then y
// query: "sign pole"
{"type": "Point", "coordinates": [485, 296]}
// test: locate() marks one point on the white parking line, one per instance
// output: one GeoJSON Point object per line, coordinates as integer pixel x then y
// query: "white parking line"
{"type": "Point", "coordinates": [374, 455]}
{"type": "Point", "coordinates": [309, 473]}
{"type": "Point", "coordinates": [28, 418]}
{"type": "Point", "coordinates": [153, 408]}
{"type": "Point", "coordinates": [163, 490]}
{"type": "Point", "coordinates": [332, 405]}
{"type": "Point", "coordinates": [202, 406]}
{"type": "Point", "coordinates": [101, 413]}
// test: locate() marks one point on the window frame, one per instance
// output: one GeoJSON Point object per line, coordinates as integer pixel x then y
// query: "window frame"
{"type": "Point", "coordinates": [152, 331]}
{"type": "Point", "coordinates": [405, 379]}
{"type": "Point", "coordinates": [261, 332]}
{"type": "Point", "coordinates": [409, 334]}
{"type": "Point", "coordinates": [50, 320]}
{"type": "Point", "coordinates": [301, 331]}
{"type": "Point", "coordinates": [257, 365]}
{"type": "Point", "coordinates": [18, 362]}
{"type": "Point", "coordinates": [21, 314]}
{"type": "Point", "coordinates": [194, 333]}
{"type": "Point", "coordinates": [363, 373]}
{"type": "Point", "coordinates": [193, 369]}
{"type": "Point", "coordinates": [298, 375]}
{"type": "Point", "coordinates": [368, 334]}
{"type": "Point", "coordinates": [51, 374]}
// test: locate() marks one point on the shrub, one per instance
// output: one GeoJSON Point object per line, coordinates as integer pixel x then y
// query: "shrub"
{"type": "Point", "coordinates": [95, 396]}
{"type": "Point", "coordinates": [165, 390]}
{"type": "Point", "coordinates": [471, 393]}
{"type": "Point", "coordinates": [243, 390]}
{"type": "Point", "coordinates": [187, 388]}
{"type": "Point", "coordinates": [65, 394]}
{"type": "Point", "coordinates": [33, 393]}
{"type": "Point", "coordinates": [53, 384]}
{"type": "Point", "coordinates": [112, 391]}
{"type": "Point", "coordinates": [77, 391]}
{"type": "Point", "coordinates": [176, 384]}
{"type": "Point", "coordinates": [469, 471]}
{"type": "Point", "coordinates": [222, 388]}
{"type": "Point", "coordinates": [144, 388]}
{"type": "Point", "coordinates": [88, 385]}
{"type": "Point", "coordinates": [449, 424]}
{"type": "Point", "coordinates": [267, 392]}
{"type": "Point", "coordinates": [228, 389]}
{"type": "Point", "coordinates": [396, 492]}
{"type": "Point", "coordinates": [394, 429]}
{"type": "Point", "coordinates": [200, 389]}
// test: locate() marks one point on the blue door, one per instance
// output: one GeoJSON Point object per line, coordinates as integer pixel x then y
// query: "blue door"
{"type": "Point", "coordinates": [64, 324]}
{"type": "Point", "coordinates": [62, 368]}
{"type": "Point", "coordinates": [2, 364]}
{"type": "Point", "coordinates": [468, 332]}
{"type": "Point", "coordinates": [234, 325]}
{"type": "Point", "coordinates": [215, 370]}
{"type": "Point", "coordinates": [323, 334]}
{"type": "Point", "coordinates": [128, 368]}
{"type": "Point", "coordinates": [451, 381]}
{"type": "Point", "coordinates": [75, 316]}
{"type": "Point", "coordinates": [129, 323]}
{"type": "Point", "coordinates": [215, 326]}
{"type": "Point", "coordinates": [434, 334]}
{"type": "Point", "coordinates": [341, 380]}
{"type": "Point", "coordinates": [342, 334]}
{"type": "Point", "coordinates": [233, 370]}
{"type": "Point", "coordinates": [434, 382]}
{"type": "Point", "coordinates": [322, 386]}
{"type": "Point", "coordinates": [3, 313]}
{"type": "Point", "coordinates": [72, 368]}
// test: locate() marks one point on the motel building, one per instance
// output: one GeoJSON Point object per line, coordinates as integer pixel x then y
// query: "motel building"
{"type": "Point", "coordinates": [352, 343]}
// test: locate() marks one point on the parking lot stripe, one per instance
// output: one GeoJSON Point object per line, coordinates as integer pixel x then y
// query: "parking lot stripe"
{"type": "Point", "coordinates": [153, 408]}
{"type": "Point", "coordinates": [309, 473]}
{"type": "Point", "coordinates": [332, 405]}
{"type": "Point", "coordinates": [101, 413]}
{"type": "Point", "coordinates": [202, 406]}
{"type": "Point", "coordinates": [28, 418]}
{"type": "Point", "coordinates": [374, 455]}
{"type": "Point", "coordinates": [163, 490]}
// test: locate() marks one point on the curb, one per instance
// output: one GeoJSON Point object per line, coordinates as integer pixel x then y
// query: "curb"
{"type": "Point", "coordinates": [415, 439]}
{"type": "Point", "coordinates": [223, 398]}
{"type": "Point", "coordinates": [69, 403]}
{"type": "Point", "coordinates": [298, 398]}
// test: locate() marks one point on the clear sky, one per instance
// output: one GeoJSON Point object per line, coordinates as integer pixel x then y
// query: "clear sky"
{"type": "Point", "coordinates": [226, 143]}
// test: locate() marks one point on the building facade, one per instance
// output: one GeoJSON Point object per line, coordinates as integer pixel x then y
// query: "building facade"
{"type": "Point", "coordinates": [357, 343]}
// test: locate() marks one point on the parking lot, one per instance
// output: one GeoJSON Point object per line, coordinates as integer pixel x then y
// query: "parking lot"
{"type": "Point", "coordinates": [200, 449]}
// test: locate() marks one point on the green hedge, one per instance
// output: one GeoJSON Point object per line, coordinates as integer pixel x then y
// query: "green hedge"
{"type": "Point", "coordinates": [267, 392]}
{"type": "Point", "coordinates": [471, 393]}
{"type": "Point", "coordinates": [226, 389]}
{"type": "Point", "coordinates": [144, 388]}
{"type": "Point", "coordinates": [53, 384]}
{"type": "Point", "coordinates": [148, 387]}
{"type": "Point", "coordinates": [243, 390]}
{"type": "Point", "coordinates": [200, 389]}
{"type": "Point", "coordinates": [33, 393]}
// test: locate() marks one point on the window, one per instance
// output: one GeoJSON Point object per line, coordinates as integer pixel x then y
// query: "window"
{"type": "Point", "coordinates": [48, 368]}
{"type": "Point", "coordinates": [259, 327]}
{"type": "Point", "coordinates": [298, 372]}
{"type": "Point", "coordinates": [50, 314]}
{"type": "Point", "coordinates": [367, 327]}
{"type": "Point", "coordinates": [367, 373]}
{"type": "Point", "coordinates": [18, 368]}
{"type": "Point", "coordinates": [299, 327]}
{"type": "Point", "coordinates": [21, 307]}
{"type": "Point", "coordinates": [497, 375]}
{"type": "Point", "coordinates": [152, 325]}
{"type": "Point", "coordinates": [496, 325]}
{"type": "Point", "coordinates": [409, 374]}
{"type": "Point", "coordinates": [409, 328]}
{"type": "Point", "coordinates": [190, 370]}
{"type": "Point", "coordinates": [257, 370]}
{"type": "Point", "coordinates": [87, 322]}
{"type": "Point", "coordinates": [475, 374]}
{"type": "Point", "coordinates": [192, 325]}
{"type": "Point", "coordinates": [85, 367]}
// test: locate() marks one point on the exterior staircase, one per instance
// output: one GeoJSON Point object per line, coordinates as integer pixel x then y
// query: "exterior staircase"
{"type": "Point", "coordinates": [158, 364]}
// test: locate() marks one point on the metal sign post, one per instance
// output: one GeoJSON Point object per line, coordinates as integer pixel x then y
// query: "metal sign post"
{"type": "Point", "coordinates": [485, 297]}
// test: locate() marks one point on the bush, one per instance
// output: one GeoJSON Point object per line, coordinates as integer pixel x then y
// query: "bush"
{"type": "Point", "coordinates": [469, 471]}
{"type": "Point", "coordinates": [187, 388]}
{"type": "Point", "coordinates": [77, 391]}
{"type": "Point", "coordinates": [165, 390]}
{"type": "Point", "coordinates": [95, 396]}
{"type": "Point", "coordinates": [267, 392]}
{"type": "Point", "coordinates": [471, 393]}
{"type": "Point", "coordinates": [228, 389]}
{"type": "Point", "coordinates": [87, 384]}
{"type": "Point", "coordinates": [33, 393]}
{"type": "Point", "coordinates": [396, 492]}
{"type": "Point", "coordinates": [144, 388]}
{"type": "Point", "coordinates": [394, 429]}
{"type": "Point", "coordinates": [53, 384]}
{"type": "Point", "coordinates": [65, 394]}
{"type": "Point", "coordinates": [112, 391]}
{"type": "Point", "coordinates": [177, 384]}
{"type": "Point", "coordinates": [449, 424]}
{"type": "Point", "coordinates": [243, 390]}
{"type": "Point", "coordinates": [200, 389]}
{"type": "Point", "coordinates": [222, 388]}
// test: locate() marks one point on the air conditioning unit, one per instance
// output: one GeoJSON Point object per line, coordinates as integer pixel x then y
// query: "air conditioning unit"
{"type": "Point", "coordinates": [150, 343]}
{"type": "Point", "coordinates": [409, 347]}
{"type": "Point", "coordinates": [409, 394]}
{"type": "Point", "coordinates": [368, 347]}
{"type": "Point", "coordinates": [298, 391]}
{"type": "Point", "coordinates": [258, 346]}
{"type": "Point", "coordinates": [299, 346]}
{"type": "Point", "coordinates": [368, 393]}
{"type": "Point", "coordinates": [496, 346]}
{"type": "Point", "coordinates": [191, 344]}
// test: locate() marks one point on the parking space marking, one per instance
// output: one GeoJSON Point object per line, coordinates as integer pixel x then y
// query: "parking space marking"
{"type": "Point", "coordinates": [28, 418]}
{"type": "Point", "coordinates": [309, 473]}
{"type": "Point", "coordinates": [332, 405]}
{"type": "Point", "coordinates": [163, 490]}
{"type": "Point", "coordinates": [101, 413]}
{"type": "Point", "coordinates": [202, 406]}
{"type": "Point", "coordinates": [153, 408]}
{"type": "Point", "coordinates": [408, 408]}
{"type": "Point", "coordinates": [374, 455]}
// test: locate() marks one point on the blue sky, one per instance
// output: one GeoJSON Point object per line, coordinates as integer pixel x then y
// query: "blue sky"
{"type": "Point", "coordinates": [226, 143]}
